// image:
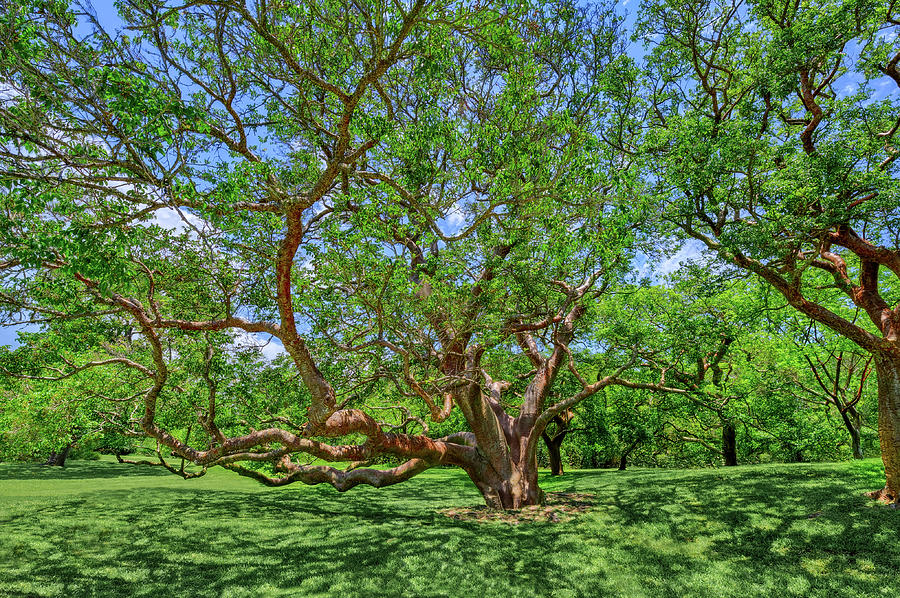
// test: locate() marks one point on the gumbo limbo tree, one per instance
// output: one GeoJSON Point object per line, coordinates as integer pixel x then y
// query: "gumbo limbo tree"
{"type": "Point", "coordinates": [770, 130]}
{"type": "Point", "coordinates": [405, 195]}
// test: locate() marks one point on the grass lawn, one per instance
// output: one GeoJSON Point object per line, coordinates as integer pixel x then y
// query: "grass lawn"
{"type": "Point", "coordinates": [100, 528]}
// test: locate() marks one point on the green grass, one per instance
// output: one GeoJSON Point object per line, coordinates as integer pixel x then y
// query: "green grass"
{"type": "Point", "coordinates": [100, 528]}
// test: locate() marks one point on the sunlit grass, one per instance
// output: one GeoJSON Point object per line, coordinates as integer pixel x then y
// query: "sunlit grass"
{"type": "Point", "coordinates": [100, 528]}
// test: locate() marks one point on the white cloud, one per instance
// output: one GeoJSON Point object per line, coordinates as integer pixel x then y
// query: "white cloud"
{"type": "Point", "coordinates": [270, 348]}
{"type": "Point", "coordinates": [273, 349]}
{"type": "Point", "coordinates": [8, 92]}
{"type": "Point", "coordinates": [454, 221]}
{"type": "Point", "coordinates": [177, 220]}
{"type": "Point", "coordinates": [688, 251]}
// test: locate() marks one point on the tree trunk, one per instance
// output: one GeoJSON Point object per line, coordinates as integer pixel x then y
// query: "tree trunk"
{"type": "Point", "coordinates": [553, 449]}
{"type": "Point", "coordinates": [855, 444]}
{"type": "Point", "coordinates": [506, 471]}
{"type": "Point", "coordinates": [59, 458]}
{"type": "Point", "coordinates": [729, 444]}
{"type": "Point", "coordinates": [513, 491]}
{"type": "Point", "coordinates": [854, 425]}
{"type": "Point", "coordinates": [623, 462]}
{"type": "Point", "coordinates": [888, 370]}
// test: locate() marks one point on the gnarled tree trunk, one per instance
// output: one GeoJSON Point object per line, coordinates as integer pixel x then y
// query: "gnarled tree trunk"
{"type": "Point", "coordinates": [504, 464]}
{"type": "Point", "coordinates": [508, 479]}
{"type": "Point", "coordinates": [888, 369]}
{"type": "Point", "coordinates": [513, 490]}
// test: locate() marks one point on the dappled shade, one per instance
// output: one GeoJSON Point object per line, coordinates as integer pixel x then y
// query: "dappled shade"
{"type": "Point", "coordinates": [790, 530]}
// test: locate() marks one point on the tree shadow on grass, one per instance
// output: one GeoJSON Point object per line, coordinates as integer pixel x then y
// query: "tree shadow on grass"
{"type": "Point", "coordinates": [76, 470]}
{"type": "Point", "coordinates": [306, 542]}
{"type": "Point", "coordinates": [655, 533]}
{"type": "Point", "coordinates": [804, 524]}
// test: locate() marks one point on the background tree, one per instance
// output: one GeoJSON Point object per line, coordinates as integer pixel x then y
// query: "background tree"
{"type": "Point", "coordinates": [554, 435]}
{"type": "Point", "coordinates": [56, 397]}
{"type": "Point", "coordinates": [830, 371]}
{"type": "Point", "coordinates": [687, 336]}
{"type": "Point", "coordinates": [769, 139]}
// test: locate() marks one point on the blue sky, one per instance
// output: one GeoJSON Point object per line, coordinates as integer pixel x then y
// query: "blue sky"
{"type": "Point", "coordinates": [8, 334]}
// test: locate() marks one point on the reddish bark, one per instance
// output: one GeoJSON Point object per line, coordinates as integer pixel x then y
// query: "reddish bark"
{"type": "Point", "coordinates": [512, 487]}
{"type": "Point", "coordinates": [499, 454]}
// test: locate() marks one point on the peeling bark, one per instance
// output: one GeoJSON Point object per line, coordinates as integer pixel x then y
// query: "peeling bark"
{"type": "Point", "coordinates": [513, 487]}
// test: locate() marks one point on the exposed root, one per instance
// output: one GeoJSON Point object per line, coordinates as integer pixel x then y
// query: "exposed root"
{"type": "Point", "coordinates": [884, 496]}
{"type": "Point", "coordinates": [557, 508]}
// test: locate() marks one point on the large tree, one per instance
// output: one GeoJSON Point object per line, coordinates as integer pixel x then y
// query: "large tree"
{"type": "Point", "coordinates": [770, 131]}
{"type": "Point", "coordinates": [401, 193]}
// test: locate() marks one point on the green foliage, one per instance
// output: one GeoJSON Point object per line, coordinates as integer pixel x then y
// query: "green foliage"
{"type": "Point", "coordinates": [369, 180]}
